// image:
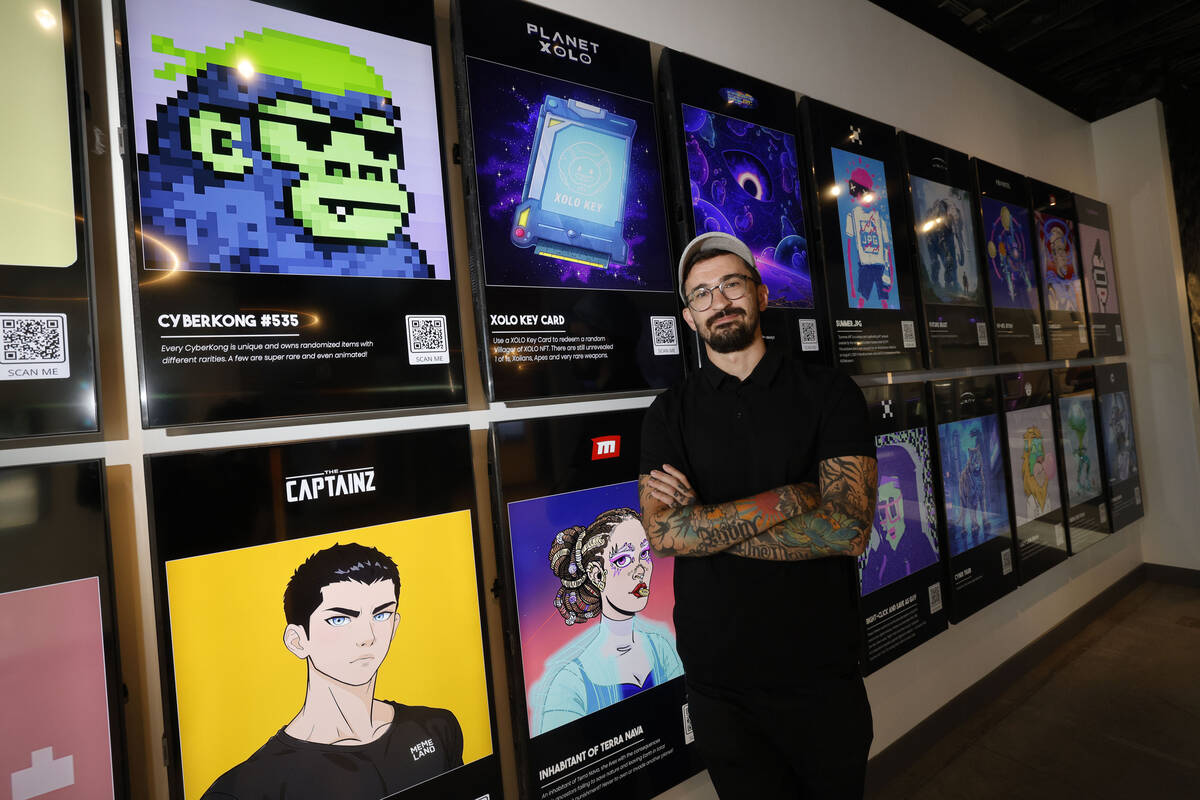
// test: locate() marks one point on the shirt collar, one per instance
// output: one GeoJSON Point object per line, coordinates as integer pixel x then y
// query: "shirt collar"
{"type": "Point", "coordinates": [763, 374]}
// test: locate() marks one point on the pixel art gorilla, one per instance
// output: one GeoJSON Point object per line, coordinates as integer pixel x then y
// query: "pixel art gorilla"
{"type": "Point", "coordinates": [283, 157]}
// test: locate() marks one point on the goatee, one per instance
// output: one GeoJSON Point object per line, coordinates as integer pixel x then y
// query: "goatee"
{"type": "Point", "coordinates": [731, 337]}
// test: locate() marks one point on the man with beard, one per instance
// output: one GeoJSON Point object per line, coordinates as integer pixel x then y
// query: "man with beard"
{"type": "Point", "coordinates": [758, 474]}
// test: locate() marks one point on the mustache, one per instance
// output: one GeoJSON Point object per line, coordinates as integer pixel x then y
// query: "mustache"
{"type": "Point", "coordinates": [731, 311]}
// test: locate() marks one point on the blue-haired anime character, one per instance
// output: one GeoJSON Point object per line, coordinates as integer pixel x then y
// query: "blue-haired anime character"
{"type": "Point", "coordinates": [605, 571]}
{"type": "Point", "coordinates": [283, 155]}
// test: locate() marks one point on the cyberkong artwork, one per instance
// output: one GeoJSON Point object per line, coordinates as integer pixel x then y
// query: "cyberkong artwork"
{"type": "Point", "coordinates": [283, 151]}
{"type": "Point", "coordinates": [1080, 450]}
{"type": "Point", "coordinates": [1120, 453]}
{"type": "Point", "coordinates": [973, 482]}
{"type": "Point", "coordinates": [1033, 463]}
{"type": "Point", "coordinates": [569, 188]}
{"type": "Point", "coordinates": [1009, 259]}
{"type": "Point", "coordinates": [904, 535]}
{"type": "Point", "coordinates": [946, 243]}
{"type": "Point", "coordinates": [593, 602]}
{"type": "Point", "coordinates": [1056, 238]}
{"type": "Point", "coordinates": [866, 224]}
{"type": "Point", "coordinates": [745, 182]}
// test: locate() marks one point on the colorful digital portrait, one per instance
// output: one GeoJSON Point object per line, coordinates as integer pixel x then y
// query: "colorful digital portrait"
{"type": "Point", "coordinates": [570, 193]}
{"type": "Point", "coordinates": [1033, 464]}
{"type": "Point", "coordinates": [1080, 452]}
{"type": "Point", "coordinates": [1056, 252]}
{"type": "Point", "coordinates": [1009, 259]}
{"type": "Point", "coordinates": [1120, 452]}
{"type": "Point", "coordinates": [973, 482]}
{"type": "Point", "coordinates": [745, 182]}
{"type": "Point", "coordinates": [594, 605]}
{"type": "Point", "coordinates": [946, 243]}
{"type": "Point", "coordinates": [274, 143]}
{"type": "Point", "coordinates": [904, 536]}
{"type": "Point", "coordinates": [1095, 247]}
{"type": "Point", "coordinates": [350, 664]}
{"type": "Point", "coordinates": [866, 223]}
{"type": "Point", "coordinates": [55, 740]}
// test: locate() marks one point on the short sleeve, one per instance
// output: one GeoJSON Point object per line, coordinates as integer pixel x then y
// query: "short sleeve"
{"type": "Point", "coordinates": [845, 424]}
{"type": "Point", "coordinates": [449, 733]}
{"type": "Point", "coordinates": [661, 442]}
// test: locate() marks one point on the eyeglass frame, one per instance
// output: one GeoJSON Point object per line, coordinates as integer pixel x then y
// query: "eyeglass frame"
{"type": "Point", "coordinates": [719, 286]}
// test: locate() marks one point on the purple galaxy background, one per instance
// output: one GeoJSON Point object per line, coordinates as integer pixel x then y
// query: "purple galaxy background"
{"type": "Point", "coordinates": [505, 102]}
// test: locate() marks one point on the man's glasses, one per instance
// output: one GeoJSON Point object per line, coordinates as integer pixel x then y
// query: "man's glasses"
{"type": "Point", "coordinates": [734, 287]}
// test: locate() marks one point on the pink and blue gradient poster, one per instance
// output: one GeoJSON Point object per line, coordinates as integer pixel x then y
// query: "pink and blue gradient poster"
{"type": "Point", "coordinates": [55, 739]}
{"type": "Point", "coordinates": [546, 636]}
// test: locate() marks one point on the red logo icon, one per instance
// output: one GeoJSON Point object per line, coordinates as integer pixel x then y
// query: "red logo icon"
{"type": "Point", "coordinates": [606, 447]}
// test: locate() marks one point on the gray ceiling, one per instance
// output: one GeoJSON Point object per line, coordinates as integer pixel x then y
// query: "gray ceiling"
{"type": "Point", "coordinates": [1093, 57]}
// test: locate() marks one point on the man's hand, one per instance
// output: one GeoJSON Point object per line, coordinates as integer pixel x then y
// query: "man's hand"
{"type": "Point", "coordinates": [840, 524]}
{"type": "Point", "coordinates": [677, 524]}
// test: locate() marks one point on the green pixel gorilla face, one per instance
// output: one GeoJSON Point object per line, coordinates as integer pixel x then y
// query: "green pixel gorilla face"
{"type": "Point", "coordinates": [348, 187]}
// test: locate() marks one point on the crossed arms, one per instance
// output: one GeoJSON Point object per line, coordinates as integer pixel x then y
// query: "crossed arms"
{"type": "Point", "coordinates": [790, 523]}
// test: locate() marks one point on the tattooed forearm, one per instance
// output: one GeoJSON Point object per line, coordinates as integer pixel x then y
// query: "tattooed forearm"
{"type": "Point", "coordinates": [840, 525]}
{"type": "Point", "coordinates": [700, 529]}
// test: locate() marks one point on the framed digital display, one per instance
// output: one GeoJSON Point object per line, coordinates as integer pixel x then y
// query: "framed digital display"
{"type": "Point", "coordinates": [345, 654]}
{"type": "Point", "coordinates": [1034, 472]}
{"type": "Point", "coordinates": [292, 253]}
{"type": "Point", "coordinates": [1080, 457]}
{"type": "Point", "coordinates": [47, 339]}
{"type": "Point", "coordinates": [864, 229]}
{"type": "Point", "coordinates": [1010, 264]}
{"type": "Point", "coordinates": [60, 676]}
{"type": "Point", "coordinates": [1100, 277]}
{"type": "Point", "coordinates": [976, 523]}
{"type": "Point", "coordinates": [946, 236]}
{"type": "Point", "coordinates": [599, 700]}
{"type": "Point", "coordinates": [1120, 444]}
{"type": "Point", "coordinates": [900, 574]}
{"type": "Point", "coordinates": [734, 157]}
{"type": "Point", "coordinates": [1059, 271]}
{"type": "Point", "coordinates": [574, 285]}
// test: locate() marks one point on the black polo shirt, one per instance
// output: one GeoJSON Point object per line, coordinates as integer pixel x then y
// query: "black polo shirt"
{"type": "Point", "coordinates": [743, 622]}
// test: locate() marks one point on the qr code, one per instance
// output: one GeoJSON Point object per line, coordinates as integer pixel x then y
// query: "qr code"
{"type": "Point", "coordinates": [427, 342]}
{"type": "Point", "coordinates": [1103, 513]}
{"type": "Point", "coordinates": [665, 336]}
{"type": "Point", "coordinates": [689, 735]}
{"type": "Point", "coordinates": [1119, 337]}
{"type": "Point", "coordinates": [808, 335]}
{"type": "Point", "coordinates": [33, 346]}
{"type": "Point", "coordinates": [1006, 560]}
{"type": "Point", "coordinates": [1137, 495]}
{"type": "Point", "coordinates": [908, 332]}
{"type": "Point", "coordinates": [1083, 334]}
{"type": "Point", "coordinates": [981, 333]}
{"type": "Point", "coordinates": [935, 598]}
{"type": "Point", "coordinates": [1037, 334]}
{"type": "Point", "coordinates": [1060, 536]}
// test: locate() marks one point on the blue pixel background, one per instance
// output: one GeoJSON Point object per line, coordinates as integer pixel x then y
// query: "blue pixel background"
{"type": "Point", "coordinates": [844, 164]}
{"type": "Point", "coordinates": [406, 68]}
{"type": "Point", "coordinates": [966, 289]}
{"type": "Point", "coordinates": [1012, 278]}
{"type": "Point", "coordinates": [241, 225]}
{"type": "Point", "coordinates": [769, 217]}
{"type": "Point", "coordinates": [1083, 471]}
{"type": "Point", "coordinates": [903, 455]}
{"type": "Point", "coordinates": [505, 102]}
{"type": "Point", "coordinates": [969, 528]}
{"type": "Point", "coordinates": [1120, 451]}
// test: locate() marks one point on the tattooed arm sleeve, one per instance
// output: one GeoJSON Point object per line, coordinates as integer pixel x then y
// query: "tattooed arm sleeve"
{"type": "Point", "coordinates": [839, 525]}
{"type": "Point", "coordinates": [702, 529]}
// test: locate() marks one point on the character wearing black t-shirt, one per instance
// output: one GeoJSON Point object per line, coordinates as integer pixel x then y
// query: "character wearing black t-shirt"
{"type": "Point", "coordinates": [340, 607]}
{"type": "Point", "coordinates": [758, 474]}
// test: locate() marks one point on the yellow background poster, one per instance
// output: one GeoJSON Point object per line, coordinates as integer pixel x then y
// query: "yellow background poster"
{"type": "Point", "coordinates": [236, 682]}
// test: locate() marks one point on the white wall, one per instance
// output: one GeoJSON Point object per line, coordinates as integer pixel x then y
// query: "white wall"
{"type": "Point", "coordinates": [1134, 176]}
{"type": "Point", "coordinates": [852, 54]}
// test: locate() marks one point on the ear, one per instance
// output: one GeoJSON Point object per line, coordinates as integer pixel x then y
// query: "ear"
{"type": "Point", "coordinates": [688, 318]}
{"type": "Point", "coordinates": [763, 292]}
{"type": "Point", "coordinates": [295, 640]}
{"type": "Point", "coordinates": [219, 143]}
{"type": "Point", "coordinates": [596, 574]}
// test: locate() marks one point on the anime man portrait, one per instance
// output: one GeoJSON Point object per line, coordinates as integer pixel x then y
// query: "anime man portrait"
{"type": "Point", "coordinates": [282, 156]}
{"type": "Point", "coordinates": [340, 606]}
{"type": "Point", "coordinates": [868, 244]}
{"type": "Point", "coordinates": [605, 571]}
